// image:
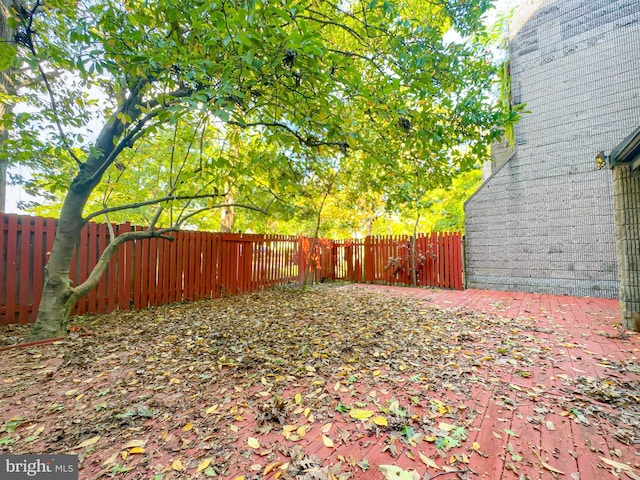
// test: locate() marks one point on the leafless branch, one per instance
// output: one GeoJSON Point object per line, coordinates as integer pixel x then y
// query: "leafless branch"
{"type": "Point", "coordinates": [103, 262]}
{"type": "Point", "coordinates": [54, 107]}
{"type": "Point", "coordinates": [155, 201]}
{"type": "Point", "coordinates": [183, 219]}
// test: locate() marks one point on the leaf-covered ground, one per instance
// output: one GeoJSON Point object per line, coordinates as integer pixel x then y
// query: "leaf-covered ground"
{"type": "Point", "coordinates": [334, 382]}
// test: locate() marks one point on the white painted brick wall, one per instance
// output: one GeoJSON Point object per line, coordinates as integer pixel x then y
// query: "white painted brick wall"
{"type": "Point", "coordinates": [544, 221]}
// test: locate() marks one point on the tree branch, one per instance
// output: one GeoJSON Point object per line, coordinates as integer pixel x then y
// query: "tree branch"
{"type": "Point", "coordinates": [308, 141]}
{"type": "Point", "coordinates": [181, 220]}
{"type": "Point", "coordinates": [138, 130]}
{"type": "Point", "coordinates": [94, 277]}
{"type": "Point", "coordinates": [155, 201]}
{"type": "Point", "coordinates": [54, 107]}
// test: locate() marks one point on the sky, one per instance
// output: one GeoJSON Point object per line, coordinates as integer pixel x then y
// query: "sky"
{"type": "Point", "coordinates": [16, 194]}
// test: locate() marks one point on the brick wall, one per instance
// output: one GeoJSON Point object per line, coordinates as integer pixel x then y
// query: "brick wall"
{"type": "Point", "coordinates": [543, 222]}
{"type": "Point", "coordinates": [626, 192]}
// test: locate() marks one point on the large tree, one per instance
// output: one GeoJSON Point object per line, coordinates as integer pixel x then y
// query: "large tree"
{"type": "Point", "coordinates": [312, 79]}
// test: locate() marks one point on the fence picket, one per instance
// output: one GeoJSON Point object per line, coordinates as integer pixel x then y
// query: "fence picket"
{"type": "Point", "coordinates": [207, 265]}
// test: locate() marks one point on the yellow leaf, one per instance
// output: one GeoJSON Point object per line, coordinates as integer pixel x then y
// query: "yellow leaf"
{"type": "Point", "coordinates": [69, 393]}
{"type": "Point", "coordinates": [187, 427]}
{"type": "Point", "coordinates": [428, 461]}
{"type": "Point", "coordinates": [360, 414]}
{"type": "Point", "coordinates": [409, 454]}
{"type": "Point", "coordinates": [134, 443]}
{"type": "Point", "coordinates": [617, 465]}
{"type": "Point", "coordinates": [447, 427]}
{"type": "Point", "coordinates": [241, 477]}
{"type": "Point", "coordinates": [476, 446]}
{"type": "Point", "coordinates": [380, 421]}
{"type": "Point", "coordinates": [253, 443]}
{"type": "Point", "coordinates": [289, 428]}
{"type": "Point", "coordinates": [546, 466]}
{"type": "Point", "coordinates": [88, 443]}
{"type": "Point", "coordinates": [391, 472]}
{"type": "Point", "coordinates": [211, 409]}
{"type": "Point", "coordinates": [110, 460]}
{"type": "Point", "coordinates": [327, 441]}
{"type": "Point", "coordinates": [138, 450]}
{"type": "Point", "coordinates": [204, 464]}
{"type": "Point", "coordinates": [269, 468]}
{"type": "Point", "coordinates": [302, 431]}
{"type": "Point", "coordinates": [376, 373]}
{"type": "Point", "coordinates": [326, 427]}
{"type": "Point", "coordinates": [124, 454]}
{"type": "Point", "coordinates": [306, 412]}
{"type": "Point", "coordinates": [177, 465]}
{"type": "Point", "coordinates": [298, 398]}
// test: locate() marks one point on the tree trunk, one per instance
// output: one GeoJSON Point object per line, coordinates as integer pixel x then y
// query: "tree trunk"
{"type": "Point", "coordinates": [58, 295]}
{"type": "Point", "coordinates": [6, 88]}
{"type": "Point", "coordinates": [227, 215]}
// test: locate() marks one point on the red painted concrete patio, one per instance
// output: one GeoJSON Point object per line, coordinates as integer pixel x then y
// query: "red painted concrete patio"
{"type": "Point", "coordinates": [558, 396]}
{"type": "Point", "coordinates": [514, 439]}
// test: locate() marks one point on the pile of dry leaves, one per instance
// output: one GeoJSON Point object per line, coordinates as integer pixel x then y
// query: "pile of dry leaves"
{"type": "Point", "coordinates": [321, 384]}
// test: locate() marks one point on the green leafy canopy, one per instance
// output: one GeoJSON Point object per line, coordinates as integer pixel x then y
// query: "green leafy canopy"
{"type": "Point", "coordinates": [266, 97]}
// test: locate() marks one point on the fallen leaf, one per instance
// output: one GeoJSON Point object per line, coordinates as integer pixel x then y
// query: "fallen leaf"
{"type": "Point", "coordinates": [134, 443]}
{"type": "Point", "coordinates": [546, 466]}
{"type": "Point", "coordinates": [87, 443]}
{"type": "Point", "coordinates": [618, 465]}
{"type": "Point", "coordinates": [428, 461]}
{"type": "Point", "coordinates": [177, 465]}
{"type": "Point", "coordinates": [137, 450]}
{"type": "Point", "coordinates": [476, 446]}
{"type": "Point", "coordinates": [202, 466]}
{"type": "Point", "coordinates": [327, 441]}
{"type": "Point", "coordinates": [380, 421]}
{"type": "Point", "coordinates": [211, 409]}
{"type": "Point", "coordinates": [447, 427]}
{"type": "Point", "coordinates": [187, 427]}
{"type": "Point", "coordinates": [297, 398]}
{"type": "Point", "coordinates": [360, 414]}
{"type": "Point", "coordinates": [550, 425]}
{"type": "Point", "coordinates": [326, 427]}
{"type": "Point", "coordinates": [391, 472]}
{"type": "Point", "coordinates": [253, 443]}
{"type": "Point", "coordinates": [269, 468]}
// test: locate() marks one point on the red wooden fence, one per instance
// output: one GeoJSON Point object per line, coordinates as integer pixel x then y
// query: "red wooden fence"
{"type": "Point", "coordinates": [200, 265]}
{"type": "Point", "coordinates": [388, 260]}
